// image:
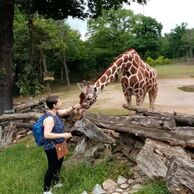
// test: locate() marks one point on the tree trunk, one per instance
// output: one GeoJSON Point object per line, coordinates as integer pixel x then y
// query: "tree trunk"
{"type": "Point", "coordinates": [64, 64]}
{"type": "Point", "coordinates": [45, 70]}
{"type": "Point", "coordinates": [62, 75]}
{"type": "Point", "coordinates": [6, 55]}
{"type": "Point", "coordinates": [66, 71]}
{"type": "Point", "coordinates": [180, 119]}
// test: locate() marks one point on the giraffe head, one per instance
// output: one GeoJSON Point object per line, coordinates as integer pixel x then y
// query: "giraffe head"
{"type": "Point", "coordinates": [88, 94]}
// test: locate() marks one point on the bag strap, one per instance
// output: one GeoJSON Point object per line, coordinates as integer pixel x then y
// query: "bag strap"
{"type": "Point", "coordinates": [54, 118]}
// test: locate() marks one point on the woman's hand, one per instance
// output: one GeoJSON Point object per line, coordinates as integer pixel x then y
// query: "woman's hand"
{"type": "Point", "coordinates": [67, 136]}
{"type": "Point", "coordinates": [64, 112]}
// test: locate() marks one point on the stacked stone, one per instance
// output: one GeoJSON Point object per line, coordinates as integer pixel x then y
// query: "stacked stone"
{"type": "Point", "coordinates": [121, 186]}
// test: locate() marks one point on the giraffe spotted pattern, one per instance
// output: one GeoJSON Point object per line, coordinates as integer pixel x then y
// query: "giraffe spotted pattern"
{"type": "Point", "coordinates": [138, 79]}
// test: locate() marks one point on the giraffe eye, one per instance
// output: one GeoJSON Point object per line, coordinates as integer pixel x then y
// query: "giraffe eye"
{"type": "Point", "coordinates": [89, 98]}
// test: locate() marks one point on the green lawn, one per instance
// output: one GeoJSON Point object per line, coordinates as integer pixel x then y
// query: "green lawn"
{"type": "Point", "coordinates": [175, 71]}
{"type": "Point", "coordinates": [23, 166]}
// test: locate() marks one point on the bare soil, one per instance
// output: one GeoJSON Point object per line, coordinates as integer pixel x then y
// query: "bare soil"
{"type": "Point", "coordinates": [170, 98]}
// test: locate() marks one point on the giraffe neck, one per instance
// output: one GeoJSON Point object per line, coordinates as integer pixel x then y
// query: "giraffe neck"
{"type": "Point", "coordinates": [115, 67]}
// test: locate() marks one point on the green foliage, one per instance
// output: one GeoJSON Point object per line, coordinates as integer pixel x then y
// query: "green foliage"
{"type": "Point", "coordinates": [154, 187]}
{"type": "Point", "coordinates": [188, 42]}
{"type": "Point", "coordinates": [147, 34]}
{"type": "Point", "coordinates": [22, 169]}
{"type": "Point", "coordinates": [117, 30]}
{"type": "Point", "coordinates": [159, 61]}
{"type": "Point", "coordinates": [28, 82]}
{"type": "Point", "coordinates": [49, 39]}
{"type": "Point", "coordinates": [58, 10]}
{"type": "Point", "coordinates": [174, 42]}
{"type": "Point", "coordinates": [109, 35]}
{"type": "Point", "coordinates": [80, 176]}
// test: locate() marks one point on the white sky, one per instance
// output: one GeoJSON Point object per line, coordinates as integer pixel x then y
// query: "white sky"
{"type": "Point", "coordinates": [168, 12]}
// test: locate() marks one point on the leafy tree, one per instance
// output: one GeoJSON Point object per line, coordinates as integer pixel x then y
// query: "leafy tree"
{"type": "Point", "coordinates": [110, 35]}
{"type": "Point", "coordinates": [147, 34]}
{"type": "Point", "coordinates": [188, 42]}
{"type": "Point", "coordinates": [117, 30]}
{"type": "Point", "coordinates": [179, 42]}
{"type": "Point", "coordinates": [62, 9]}
{"type": "Point", "coordinates": [25, 75]}
{"type": "Point", "coordinates": [54, 43]}
{"type": "Point", "coordinates": [175, 41]}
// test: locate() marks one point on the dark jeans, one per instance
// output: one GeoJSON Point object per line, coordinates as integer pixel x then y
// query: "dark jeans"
{"type": "Point", "coordinates": [53, 171]}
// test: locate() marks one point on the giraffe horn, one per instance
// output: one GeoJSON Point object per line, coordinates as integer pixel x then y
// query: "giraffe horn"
{"type": "Point", "coordinates": [80, 86]}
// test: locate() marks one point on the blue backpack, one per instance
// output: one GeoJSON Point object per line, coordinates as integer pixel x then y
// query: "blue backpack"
{"type": "Point", "coordinates": [38, 131]}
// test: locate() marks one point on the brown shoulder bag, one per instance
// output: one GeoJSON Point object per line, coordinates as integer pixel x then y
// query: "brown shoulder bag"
{"type": "Point", "coordinates": [61, 150]}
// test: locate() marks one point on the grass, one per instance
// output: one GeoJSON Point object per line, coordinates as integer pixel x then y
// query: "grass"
{"type": "Point", "coordinates": [109, 111]}
{"type": "Point", "coordinates": [175, 71]}
{"type": "Point", "coordinates": [23, 166]}
{"type": "Point", "coordinates": [156, 187]}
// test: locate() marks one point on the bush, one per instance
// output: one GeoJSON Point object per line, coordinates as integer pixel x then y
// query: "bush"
{"type": "Point", "coordinates": [159, 61]}
{"type": "Point", "coordinates": [28, 82]}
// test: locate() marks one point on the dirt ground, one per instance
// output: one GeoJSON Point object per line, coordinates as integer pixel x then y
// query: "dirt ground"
{"type": "Point", "coordinates": [169, 99]}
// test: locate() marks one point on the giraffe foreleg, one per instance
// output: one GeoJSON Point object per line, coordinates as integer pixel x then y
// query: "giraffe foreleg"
{"type": "Point", "coordinates": [139, 100]}
{"type": "Point", "coordinates": [128, 96]}
{"type": "Point", "coordinates": [140, 96]}
{"type": "Point", "coordinates": [152, 98]}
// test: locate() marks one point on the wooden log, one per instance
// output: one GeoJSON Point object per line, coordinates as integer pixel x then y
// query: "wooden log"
{"type": "Point", "coordinates": [6, 134]}
{"type": "Point", "coordinates": [28, 105]}
{"type": "Point", "coordinates": [180, 176]}
{"type": "Point", "coordinates": [17, 124]}
{"type": "Point", "coordinates": [130, 145]}
{"type": "Point", "coordinates": [162, 129]}
{"type": "Point", "coordinates": [154, 158]}
{"type": "Point", "coordinates": [161, 123]}
{"type": "Point", "coordinates": [183, 136]}
{"type": "Point", "coordinates": [20, 116]}
{"type": "Point", "coordinates": [180, 119]}
{"type": "Point", "coordinates": [91, 131]}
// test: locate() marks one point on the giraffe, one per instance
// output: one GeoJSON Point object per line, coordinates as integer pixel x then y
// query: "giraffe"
{"type": "Point", "coordinates": [138, 79]}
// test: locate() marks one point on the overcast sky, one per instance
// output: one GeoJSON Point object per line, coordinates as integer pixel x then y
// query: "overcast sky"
{"type": "Point", "coordinates": [168, 12]}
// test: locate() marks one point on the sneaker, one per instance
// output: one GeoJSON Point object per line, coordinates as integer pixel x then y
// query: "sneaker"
{"type": "Point", "coordinates": [47, 192]}
{"type": "Point", "coordinates": [58, 185]}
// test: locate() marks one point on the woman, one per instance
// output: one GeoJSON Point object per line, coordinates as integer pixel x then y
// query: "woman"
{"type": "Point", "coordinates": [54, 134]}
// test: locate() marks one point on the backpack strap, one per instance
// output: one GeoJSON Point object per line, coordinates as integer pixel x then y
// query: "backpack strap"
{"type": "Point", "coordinates": [54, 118]}
{"type": "Point", "coordinates": [47, 114]}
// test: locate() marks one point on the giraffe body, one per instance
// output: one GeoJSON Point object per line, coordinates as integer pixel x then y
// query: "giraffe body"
{"type": "Point", "coordinates": [138, 79]}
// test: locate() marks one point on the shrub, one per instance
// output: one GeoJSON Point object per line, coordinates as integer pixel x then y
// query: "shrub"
{"type": "Point", "coordinates": [159, 61]}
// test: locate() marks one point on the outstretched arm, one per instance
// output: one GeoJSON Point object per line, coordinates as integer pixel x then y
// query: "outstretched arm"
{"type": "Point", "coordinates": [66, 111]}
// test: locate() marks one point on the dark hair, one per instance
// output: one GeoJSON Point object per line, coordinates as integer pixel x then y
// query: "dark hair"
{"type": "Point", "coordinates": [51, 100]}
